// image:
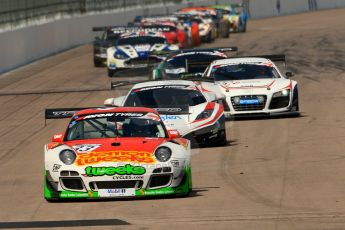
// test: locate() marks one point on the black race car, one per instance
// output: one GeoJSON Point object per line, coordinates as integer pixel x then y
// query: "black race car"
{"type": "Point", "coordinates": [188, 64]}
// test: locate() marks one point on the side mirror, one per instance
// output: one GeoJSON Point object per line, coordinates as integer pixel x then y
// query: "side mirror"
{"type": "Point", "coordinates": [173, 134]}
{"type": "Point", "coordinates": [114, 102]}
{"type": "Point", "coordinates": [57, 138]}
{"type": "Point", "coordinates": [289, 74]}
{"type": "Point", "coordinates": [220, 97]}
{"type": "Point", "coordinates": [109, 102]}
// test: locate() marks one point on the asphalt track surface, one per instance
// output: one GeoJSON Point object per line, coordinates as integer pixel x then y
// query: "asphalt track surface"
{"type": "Point", "coordinates": [276, 174]}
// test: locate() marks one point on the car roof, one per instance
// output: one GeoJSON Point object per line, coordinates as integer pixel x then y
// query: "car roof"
{"type": "Point", "coordinates": [241, 60]}
{"type": "Point", "coordinates": [115, 110]}
{"type": "Point", "coordinates": [165, 82]}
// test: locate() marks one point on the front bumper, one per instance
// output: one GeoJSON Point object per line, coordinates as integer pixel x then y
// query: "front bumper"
{"type": "Point", "coordinates": [177, 186]}
{"type": "Point", "coordinates": [268, 108]}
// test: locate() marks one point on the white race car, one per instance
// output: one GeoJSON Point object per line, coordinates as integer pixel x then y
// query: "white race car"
{"type": "Point", "coordinates": [184, 106]}
{"type": "Point", "coordinates": [137, 50]}
{"type": "Point", "coordinates": [253, 86]}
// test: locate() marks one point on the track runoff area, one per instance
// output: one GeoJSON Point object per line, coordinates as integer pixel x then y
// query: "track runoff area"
{"type": "Point", "coordinates": [275, 174]}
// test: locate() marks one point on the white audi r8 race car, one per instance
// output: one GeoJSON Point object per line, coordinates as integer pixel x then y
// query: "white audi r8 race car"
{"type": "Point", "coordinates": [253, 86]}
{"type": "Point", "coordinates": [184, 106]}
{"type": "Point", "coordinates": [137, 50]}
{"type": "Point", "coordinates": [114, 153]}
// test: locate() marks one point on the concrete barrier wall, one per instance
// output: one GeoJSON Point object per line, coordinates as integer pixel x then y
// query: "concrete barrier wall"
{"type": "Point", "coordinates": [22, 46]}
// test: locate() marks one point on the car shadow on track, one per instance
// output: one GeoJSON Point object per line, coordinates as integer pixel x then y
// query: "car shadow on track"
{"type": "Point", "coordinates": [251, 118]}
{"type": "Point", "coordinates": [228, 143]}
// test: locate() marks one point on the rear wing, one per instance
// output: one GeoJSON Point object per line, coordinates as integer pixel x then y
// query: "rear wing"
{"type": "Point", "coordinates": [60, 113]}
{"type": "Point", "coordinates": [128, 29]}
{"type": "Point", "coordinates": [219, 49]}
{"type": "Point", "coordinates": [181, 51]}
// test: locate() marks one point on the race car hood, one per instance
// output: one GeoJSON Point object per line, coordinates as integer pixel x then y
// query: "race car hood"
{"type": "Point", "coordinates": [143, 50]}
{"type": "Point", "coordinates": [262, 86]}
{"type": "Point", "coordinates": [134, 144]}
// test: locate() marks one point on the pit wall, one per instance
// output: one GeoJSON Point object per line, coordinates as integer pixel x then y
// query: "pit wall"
{"type": "Point", "coordinates": [22, 46]}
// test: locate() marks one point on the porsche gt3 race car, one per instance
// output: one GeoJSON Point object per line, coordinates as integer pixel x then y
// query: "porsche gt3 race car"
{"type": "Point", "coordinates": [114, 153]}
{"type": "Point", "coordinates": [182, 105]}
{"type": "Point", "coordinates": [254, 86]}
{"type": "Point", "coordinates": [187, 64]}
{"type": "Point", "coordinates": [136, 50]}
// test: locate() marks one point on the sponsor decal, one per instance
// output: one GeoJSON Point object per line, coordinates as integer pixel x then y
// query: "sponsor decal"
{"type": "Point", "coordinates": [56, 167]}
{"type": "Point", "coordinates": [101, 115]}
{"type": "Point", "coordinates": [84, 148]}
{"type": "Point", "coordinates": [115, 156]}
{"type": "Point", "coordinates": [170, 117]}
{"type": "Point", "coordinates": [162, 87]}
{"type": "Point", "coordinates": [110, 171]}
{"type": "Point", "coordinates": [128, 177]}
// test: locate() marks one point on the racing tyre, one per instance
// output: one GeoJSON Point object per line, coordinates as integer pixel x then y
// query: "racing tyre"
{"type": "Point", "coordinates": [97, 63]}
{"type": "Point", "coordinates": [221, 139]}
{"type": "Point", "coordinates": [111, 73]}
{"type": "Point", "coordinates": [295, 103]}
{"type": "Point", "coordinates": [244, 27]}
{"type": "Point", "coordinates": [225, 32]}
{"type": "Point", "coordinates": [209, 38]}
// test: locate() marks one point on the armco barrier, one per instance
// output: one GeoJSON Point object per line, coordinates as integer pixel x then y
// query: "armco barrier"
{"type": "Point", "coordinates": [24, 45]}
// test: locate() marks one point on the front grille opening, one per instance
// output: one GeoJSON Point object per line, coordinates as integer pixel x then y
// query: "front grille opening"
{"type": "Point", "coordinates": [258, 105]}
{"type": "Point", "coordinates": [160, 180]}
{"type": "Point", "coordinates": [69, 173]}
{"type": "Point", "coordinates": [137, 184]}
{"type": "Point", "coordinates": [279, 102]}
{"type": "Point", "coordinates": [72, 183]}
{"type": "Point", "coordinates": [164, 169]}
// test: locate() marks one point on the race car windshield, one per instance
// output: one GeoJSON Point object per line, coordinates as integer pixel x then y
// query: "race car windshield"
{"type": "Point", "coordinates": [140, 40]}
{"type": "Point", "coordinates": [243, 72]}
{"type": "Point", "coordinates": [111, 36]}
{"type": "Point", "coordinates": [110, 125]}
{"type": "Point", "coordinates": [190, 63]}
{"type": "Point", "coordinates": [164, 98]}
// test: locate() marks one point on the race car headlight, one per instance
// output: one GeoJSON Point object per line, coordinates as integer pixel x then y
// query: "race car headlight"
{"type": "Point", "coordinates": [204, 114]}
{"type": "Point", "coordinates": [163, 154]}
{"type": "Point", "coordinates": [67, 156]}
{"type": "Point", "coordinates": [119, 54]}
{"type": "Point", "coordinates": [283, 93]}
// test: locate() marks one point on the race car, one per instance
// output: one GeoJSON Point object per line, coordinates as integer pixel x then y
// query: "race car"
{"type": "Point", "coordinates": [183, 105]}
{"type": "Point", "coordinates": [235, 14]}
{"type": "Point", "coordinates": [222, 25]}
{"type": "Point", "coordinates": [253, 86]}
{"type": "Point", "coordinates": [102, 43]}
{"type": "Point", "coordinates": [115, 153]}
{"type": "Point", "coordinates": [184, 22]}
{"type": "Point", "coordinates": [207, 28]}
{"type": "Point", "coordinates": [189, 63]}
{"type": "Point", "coordinates": [137, 50]}
{"type": "Point", "coordinates": [172, 33]}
